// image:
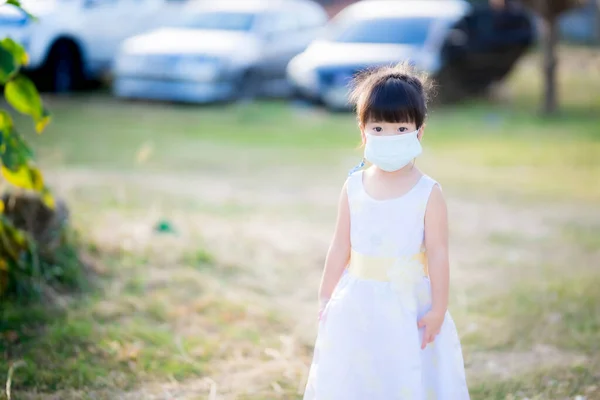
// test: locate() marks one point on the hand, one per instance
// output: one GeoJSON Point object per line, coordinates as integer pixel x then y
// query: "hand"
{"type": "Point", "coordinates": [432, 322]}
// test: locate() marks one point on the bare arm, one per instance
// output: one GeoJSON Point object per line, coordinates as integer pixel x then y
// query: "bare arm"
{"type": "Point", "coordinates": [339, 250]}
{"type": "Point", "coordinates": [436, 243]}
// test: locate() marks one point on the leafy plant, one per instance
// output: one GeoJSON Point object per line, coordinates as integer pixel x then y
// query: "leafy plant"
{"type": "Point", "coordinates": [19, 252]}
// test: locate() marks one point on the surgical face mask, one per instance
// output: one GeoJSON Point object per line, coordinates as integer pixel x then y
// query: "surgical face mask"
{"type": "Point", "coordinates": [391, 153]}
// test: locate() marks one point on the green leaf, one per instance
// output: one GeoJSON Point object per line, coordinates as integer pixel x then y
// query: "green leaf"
{"type": "Point", "coordinates": [12, 159]}
{"type": "Point", "coordinates": [6, 121]}
{"type": "Point", "coordinates": [16, 50]}
{"type": "Point", "coordinates": [6, 125]}
{"type": "Point", "coordinates": [48, 198]}
{"type": "Point", "coordinates": [8, 65]}
{"type": "Point", "coordinates": [10, 137]}
{"type": "Point", "coordinates": [17, 141]}
{"type": "Point", "coordinates": [22, 94]}
{"type": "Point", "coordinates": [27, 176]}
{"type": "Point", "coordinates": [18, 4]}
{"type": "Point", "coordinates": [41, 123]}
{"type": "Point", "coordinates": [14, 151]}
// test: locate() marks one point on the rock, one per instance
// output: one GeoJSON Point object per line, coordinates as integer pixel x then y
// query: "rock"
{"type": "Point", "coordinates": [27, 212]}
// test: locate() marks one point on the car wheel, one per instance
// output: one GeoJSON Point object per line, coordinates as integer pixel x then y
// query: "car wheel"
{"type": "Point", "coordinates": [64, 69]}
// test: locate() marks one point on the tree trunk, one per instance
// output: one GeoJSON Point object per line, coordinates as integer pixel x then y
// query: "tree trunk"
{"type": "Point", "coordinates": [597, 21]}
{"type": "Point", "coordinates": [549, 43]}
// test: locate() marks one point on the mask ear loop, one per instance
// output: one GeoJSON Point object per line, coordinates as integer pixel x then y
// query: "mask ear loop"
{"type": "Point", "coordinates": [414, 161]}
{"type": "Point", "coordinates": [358, 167]}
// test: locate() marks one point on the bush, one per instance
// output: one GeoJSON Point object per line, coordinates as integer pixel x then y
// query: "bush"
{"type": "Point", "coordinates": [34, 250]}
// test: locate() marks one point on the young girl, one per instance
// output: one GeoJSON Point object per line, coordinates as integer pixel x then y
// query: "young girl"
{"type": "Point", "coordinates": [384, 331]}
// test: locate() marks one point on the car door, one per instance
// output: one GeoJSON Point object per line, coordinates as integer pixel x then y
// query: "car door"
{"type": "Point", "coordinates": [104, 24]}
{"type": "Point", "coordinates": [99, 26]}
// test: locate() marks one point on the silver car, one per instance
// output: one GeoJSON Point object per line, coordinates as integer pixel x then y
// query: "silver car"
{"type": "Point", "coordinates": [220, 50]}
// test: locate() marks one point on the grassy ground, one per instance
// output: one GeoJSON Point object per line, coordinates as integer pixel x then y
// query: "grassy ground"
{"type": "Point", "coordinates": [200, 220]}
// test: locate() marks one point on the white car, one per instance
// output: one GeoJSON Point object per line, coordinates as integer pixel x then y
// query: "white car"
{"type": "Point", "coordinates": [465, 47]}
{"type": "Point", "coordinates": [221, 50]}
{"type": "Point", "coordinates": [75, 40]}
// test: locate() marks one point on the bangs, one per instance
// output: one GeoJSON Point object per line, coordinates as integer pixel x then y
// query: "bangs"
{"type": "Point", "coordinates": [392, 100]}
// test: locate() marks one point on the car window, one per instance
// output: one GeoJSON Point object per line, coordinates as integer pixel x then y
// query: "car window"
{"type": "Point", "coordinates": [281, 22]}
{"type": "Point", "coordinates": [222, 20]}
{"type": "Point", "coordinates": [413, 31]}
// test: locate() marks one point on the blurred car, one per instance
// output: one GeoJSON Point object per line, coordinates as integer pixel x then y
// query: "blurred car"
{"type": "Point", "coordinates": [75, 40]}
{"type": "Point", "coordinates": [452, 40]}
{"type": "Point", "coordinates": [221, 50]}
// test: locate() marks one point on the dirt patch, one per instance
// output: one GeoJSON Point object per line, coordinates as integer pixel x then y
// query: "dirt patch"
{"type": "Point", "coordinates": [505, 365]}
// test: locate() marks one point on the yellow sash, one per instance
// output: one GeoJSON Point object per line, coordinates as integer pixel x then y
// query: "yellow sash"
{"type": "Point", "coordinates": [376, 268]}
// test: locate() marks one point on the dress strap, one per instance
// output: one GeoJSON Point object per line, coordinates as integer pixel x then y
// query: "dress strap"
{"type": "Point", "coordinates": [424, 193]}
{"type": "Point", "coordinates": [428, 185]}
{"type": "Point", "coordinates": [358, 167]}
{"type": "Point", "coordinates": [353, 185]}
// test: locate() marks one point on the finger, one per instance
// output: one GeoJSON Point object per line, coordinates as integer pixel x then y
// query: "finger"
{"type": "Point", "coordinates": [424, 342]}
{"type": "Point", "coordinates": [420, 324]}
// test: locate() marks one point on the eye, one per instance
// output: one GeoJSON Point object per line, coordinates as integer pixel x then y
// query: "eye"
{"type": "Point", "coordinates": [402, 129]}
{"type": "Point", "coordinates": [378, 129]}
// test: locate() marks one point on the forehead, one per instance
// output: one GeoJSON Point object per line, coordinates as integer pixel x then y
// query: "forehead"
{"type": "Point", "coordinates": [383, 122]}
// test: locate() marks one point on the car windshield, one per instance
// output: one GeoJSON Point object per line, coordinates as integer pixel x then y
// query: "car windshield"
{"type": "Point", "coordinates": [222, 20]}
{"type": "Point", "coordinates": [413, 31]}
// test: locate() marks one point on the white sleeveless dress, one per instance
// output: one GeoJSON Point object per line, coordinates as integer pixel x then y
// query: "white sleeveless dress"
{"type": "Point", "coordinates": [368, 345]}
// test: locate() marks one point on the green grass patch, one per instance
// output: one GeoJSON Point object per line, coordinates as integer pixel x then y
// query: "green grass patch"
{"type": "Point", "coordinates": [471, 146]}
{"type": "Point", "coordinates": [584, 236]}
{"type": "Point", "coordinates": [561, 312]}
{"type": "Point", "coordinates": [201, 259]}
{"type": "Point", "coordinates": [60, 349]}
{"type": "Point", "coordinates": [561, 383]}
{"type": "Point", "coordinates": [116, 342]}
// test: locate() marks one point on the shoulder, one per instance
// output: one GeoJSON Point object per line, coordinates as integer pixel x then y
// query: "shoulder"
{"type": "Point", "coordinates": [432, 191]}
{"type": "Point", "coordinates": [430, 183]}
{"type": "Point", "coordinates": [353, 182]}
{"type": "Point", "coordinates": [356, 175]}
{"type": "Point", "coordinates": [436, 203]}
{"type": "Point", "coordinates": [436, 197]}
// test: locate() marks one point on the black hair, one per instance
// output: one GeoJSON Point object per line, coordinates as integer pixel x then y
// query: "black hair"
{"type": "Point", "coordinates": [391, 94]}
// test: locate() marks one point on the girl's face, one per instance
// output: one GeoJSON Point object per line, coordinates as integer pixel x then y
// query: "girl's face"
{"type": "Point", "coordinates": [389, 129]}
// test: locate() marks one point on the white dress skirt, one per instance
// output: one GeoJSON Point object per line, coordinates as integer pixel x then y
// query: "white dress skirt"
{"type": "Point", "coordinates": [368, 345]}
